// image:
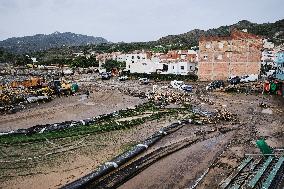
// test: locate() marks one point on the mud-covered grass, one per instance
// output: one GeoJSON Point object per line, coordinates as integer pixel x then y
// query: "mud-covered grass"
{"type": "Point", "coordinates": [105, 123]}
{"type": "Point", "coordinates": [22, 156]}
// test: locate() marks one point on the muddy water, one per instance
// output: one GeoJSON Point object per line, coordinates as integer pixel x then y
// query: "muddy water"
{"type": "Point", "coordinates": [180, 169]}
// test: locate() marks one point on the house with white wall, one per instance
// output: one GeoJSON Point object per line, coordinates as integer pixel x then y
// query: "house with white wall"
{"type": "Point", "coordinates": [174, 62]}
{"type": "Point", "coordinates": [141, 62]}
{"type": "Point", "coordinates": [179, 68]}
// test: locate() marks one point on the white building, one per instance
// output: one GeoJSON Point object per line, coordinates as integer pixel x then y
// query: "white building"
{"type": "Point", "coordinates": [34, 60]}
{"type": "Point", "coordinates": [78, 54]}
{"type": "Point", "coordinates": [177, 62]}
{"type": "Point", "coordinates": [179, 68]}
{"type": "Point", "coordinates": [267, 56]}
{"type": "Point", "coordinates": [141, 62]}
{"type": "Point", "coordinates": [267, 44]}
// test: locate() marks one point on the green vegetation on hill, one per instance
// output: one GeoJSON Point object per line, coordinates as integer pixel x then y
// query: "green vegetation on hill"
{"type": "Point", "coordinates": [6, 57]}
{"type": "Point", "coordinates": [272, 31]}
{"type": "Point", "coordinates": [80, 61]}
{"type": "Point", "coordinates": [41, 42]}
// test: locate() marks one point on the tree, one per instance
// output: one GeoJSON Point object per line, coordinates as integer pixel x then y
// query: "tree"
{"type": "Point", "coordinates": [113, 64]}
{"type": "Point", "coordinates": [23, 60]}
{"type": "Point", "coordinates": [84, 62]}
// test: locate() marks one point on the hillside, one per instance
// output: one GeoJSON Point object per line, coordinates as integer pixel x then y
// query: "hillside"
{"type": "Point", "coordinates": [49, 47]}
{"type": "Point", "coordinates": [41, 42]}
{"type": "Point", "coordinates": [273, 31]}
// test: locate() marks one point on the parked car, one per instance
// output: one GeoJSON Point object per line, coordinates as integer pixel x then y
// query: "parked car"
{"type": "Point", "coordinates": [105, 76]}
{"type": "Point", "coordinates": [122, 78]}
{"type": "Point", "coordinates": [270, 72]}
{"type": "Point", "coordinates": [144, 81]}
{"type": "Point", "coordinates": [176, 84]}
{"type": "Point", "coordinates": [249, 78]}
{"type": "Point", "coordinates": [187, 88]}
{"type": "Point", "coordinates": [215, 85]}
{"type": "Point", "coordinates": [271, 77]}
{"type": "Point", "coordinates": [234, 80]}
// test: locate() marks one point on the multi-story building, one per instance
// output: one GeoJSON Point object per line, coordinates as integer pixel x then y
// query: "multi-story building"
{"type": "Point", "coordinates": [179, 68]}
{"type": "Point", "coordinates": [180, 55]}
{"type": "Point", "coordinates": [268, 55]}
{"type": "Point", "coordinates": [173, 62]}
{"type": "Point", "coordinates": [267, 44]}
{"type": "Point", "coordinates": [179, 62]}
{"type": "Point", "coordinates": [279, 60]}
{"type": "Point", "coordinates": [139, 62]}
{"type": "Point", "coordinates": [236, 55]}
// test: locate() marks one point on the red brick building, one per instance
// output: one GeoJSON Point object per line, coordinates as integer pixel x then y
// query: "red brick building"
{"type": "Point", "coordinates": [236, 55]}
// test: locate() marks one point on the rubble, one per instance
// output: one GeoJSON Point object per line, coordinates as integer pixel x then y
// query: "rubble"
{"type": "Point", "coordinates": [267, 111]}
{"type": "Point", "coordinates": [248, 88]}
{"type": "Point", "coordinates": [16, 93]}
{"type": "Point", "coordinates": [205, 117]}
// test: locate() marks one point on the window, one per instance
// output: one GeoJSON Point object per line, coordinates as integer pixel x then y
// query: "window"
{"type": "Point", "coordinates": [205, 57]}
{"type": "Point", "coordinates": [173, 67]}
{"type": "Point", "coordinates": [190, 67]}
{"type": "Point", "coordinates": [165, 67]}
{"type": "Point", "coordinates": [132, 61]}
{"type": "Point", "coordinates": [182, 67]}
{"type": "Point", "coordinates": [138, 57]}
{"type": "Point", "coordinates": [221, 45]}
{"type": "Point", "coordinates": [132, 57]}
{"type": "Point", "coordinates": [129, 66]}
{"type": "Point", "coordinates": [229, 44]}
{"type": "Point", "coordinates": [208, 45]}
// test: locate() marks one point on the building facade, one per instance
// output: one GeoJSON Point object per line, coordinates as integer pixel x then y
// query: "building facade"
{"type": "Point", "coordinates": [279, 60]}
{"type": "Point", "coordinates": [236, 55]}
{"type": "Point", "coordinates": [178, 68]}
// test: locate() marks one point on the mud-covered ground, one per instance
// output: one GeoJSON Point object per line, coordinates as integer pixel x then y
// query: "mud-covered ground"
{"type": "Point", "coordinates": [100, 101]}
{"type": "Point", "coordinates": [65, 160]}
{"type": "Point", "coordinates": [221, 152]}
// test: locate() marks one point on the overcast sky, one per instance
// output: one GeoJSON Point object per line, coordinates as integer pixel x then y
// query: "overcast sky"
{"type": "Point", "coordinates": [129, 20]}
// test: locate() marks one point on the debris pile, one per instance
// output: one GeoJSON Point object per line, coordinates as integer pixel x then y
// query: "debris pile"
{"type": "Point", "coordinates": [206, 100]}
{"type": "Point", "coordinates": [204, 117]}
{"type": "Point", "coordinates": [133, 92]}
{"type": "Point", "coordinates": [16, 93]}
{"type": "Point", "coordinates": [273, 87]}
{"type": "Point", "coordinates": [252, 87]}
